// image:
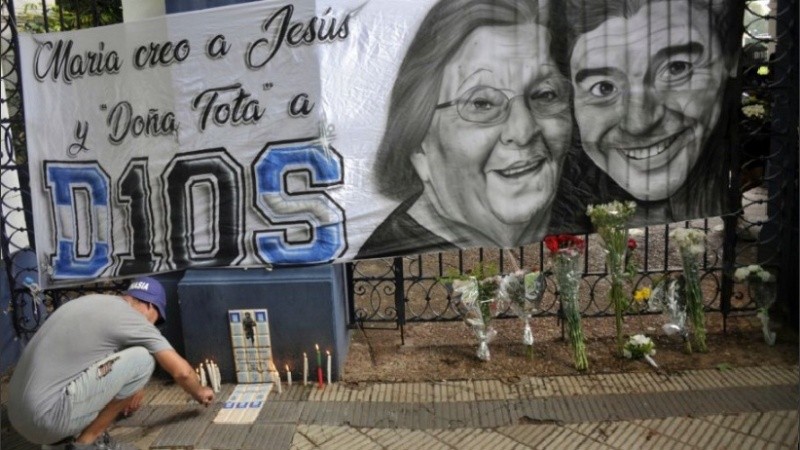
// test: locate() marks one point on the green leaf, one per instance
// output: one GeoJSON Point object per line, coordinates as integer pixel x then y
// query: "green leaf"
{"type": "Point", "coordinates": [722, 367]}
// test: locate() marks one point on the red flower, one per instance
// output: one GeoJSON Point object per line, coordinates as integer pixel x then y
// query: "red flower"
{"type": "Point", "coordinates": [631, 244]}
{"type": "Point", "coordinates": [551, 242]}
{"type": "Point", "coordinates": [563, 241]}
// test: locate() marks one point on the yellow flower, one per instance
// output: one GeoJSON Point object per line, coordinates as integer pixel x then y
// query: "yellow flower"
{"type": "Point", "coordinates": [641, 295]}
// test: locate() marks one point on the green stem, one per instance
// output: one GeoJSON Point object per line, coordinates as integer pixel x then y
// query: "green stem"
{"type": "Point", "coordinates": [694, 301]}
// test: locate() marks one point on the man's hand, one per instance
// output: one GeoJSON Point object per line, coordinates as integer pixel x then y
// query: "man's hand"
{"type": "Point", "coordinates": [135, 403]}
{"type": "Point", "coordinates": [185, 376]}
{"type": "Point", "coordinates": [204, 395]}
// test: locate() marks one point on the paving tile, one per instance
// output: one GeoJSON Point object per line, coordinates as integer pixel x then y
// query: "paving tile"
{"type": "Point", "coordinates": [271, 436]}
{"type": "Point", "coordinates": [491, 414]}
{"type": "Point", "coordinates": [223, 437]}
{"type": "Point", "coordinates": [530, 435]}
{"type": "Point", "coordinates": [406, 440]}
{"type": "Point", "coordinates": [350, 438]}
{"type": "Point", "coordinates": [171, 395]}
{"type": "Point", "coordinates": [328, 413]}
{"type": "Point", "coordinates": [182, 434]}
{"type": "Point", "coordinates": [279, 412]}
{"type": "Point", "coordinates": [453, 415]}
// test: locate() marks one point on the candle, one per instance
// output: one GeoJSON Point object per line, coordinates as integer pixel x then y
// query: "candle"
{"type": "Point", "coordinates": [288, 375]}
{"type": "Point", "coordinates": [319, 356]}
{"type": "Point", "coordinates": [329, 365]}
{"type": "Point", "coordinates": [203, 381]}
{"type": "Point", "coordinates": [305, 369]}
{"type": "Point", "coordinates": [278, 377]}
{"type": "Point", "coordinates": [217, 376]}
{"type": "Point", "coordinates": [320, 382]}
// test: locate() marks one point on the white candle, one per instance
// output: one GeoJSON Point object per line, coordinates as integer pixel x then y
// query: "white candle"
{"type": "Point", "coordinates": [278, 377]}
{"type": "Point", "coordinates": [329, 365]}
{"type": "Point", "coordinates": [305, 369]}
{"type": "Point", "coordinates": [288, 376]}
{"type": "Point", "coordinates": [203, 380]}
{"type": "Point", "coordinates": [216, 375]}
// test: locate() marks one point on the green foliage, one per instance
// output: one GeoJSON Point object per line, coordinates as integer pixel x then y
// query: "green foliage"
{"type": "Point", "coordinates": [69, 15]}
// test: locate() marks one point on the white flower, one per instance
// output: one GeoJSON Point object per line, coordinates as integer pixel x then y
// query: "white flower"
{"type": "Point", "coordinates": [765, 276]}
{"type": "Point", "coordinates": [741, 274]}
{"type": "Point", "coordinates": [754, 268]}
{"type": "Point", "coordinates": [696, 249]}
{"type": "Point", "coordinates": [627, 353]}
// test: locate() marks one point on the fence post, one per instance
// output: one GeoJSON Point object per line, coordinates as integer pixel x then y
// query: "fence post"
{"type": "Point", "coordinates": [399, 298]}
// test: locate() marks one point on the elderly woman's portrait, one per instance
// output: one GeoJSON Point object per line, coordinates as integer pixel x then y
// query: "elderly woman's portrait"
{"type": "Point", "coordinates": [478, 128]}
{"type": "Point", "coordinates": [649, 81]}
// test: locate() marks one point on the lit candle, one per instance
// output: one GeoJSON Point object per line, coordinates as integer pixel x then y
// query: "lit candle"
{"type": "Point", "coordinates": [305, 369]}
{"type": "Point", "coordinates": [320, 381]}
{"type": "Point", "coordinates": [329, 365]}
{"type": "Point", "coordinates": [288, 376]}
{"type": "Point", "coordinates": [319, 356]}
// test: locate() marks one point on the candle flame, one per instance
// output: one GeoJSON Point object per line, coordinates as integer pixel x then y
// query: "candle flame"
{"type": "Point", "coordinates": [287, 367]}
{"type": "Point", "coordinates": [328, 352]}
{"type": "Point", "coordinates": [316, 346]}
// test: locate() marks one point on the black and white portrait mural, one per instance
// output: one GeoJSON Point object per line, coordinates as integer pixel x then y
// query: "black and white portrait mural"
{"type": "Point", "coordinates": [292, 133]}
{"type": "Point", "coordinates": [650, 80]}
{"type": "Point", "coordinates": [477, 132]}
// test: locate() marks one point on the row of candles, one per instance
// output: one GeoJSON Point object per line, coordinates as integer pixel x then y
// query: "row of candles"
{"type": "Point", "coordinates": [209, 375]}
{"type": "Point", "coordinates": [320, 377]}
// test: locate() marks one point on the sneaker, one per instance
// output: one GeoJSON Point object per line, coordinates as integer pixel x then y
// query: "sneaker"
{"type": "Point", "coordinates": [60, 445]}
{"type": "Point", "coordinates": [103, 442]}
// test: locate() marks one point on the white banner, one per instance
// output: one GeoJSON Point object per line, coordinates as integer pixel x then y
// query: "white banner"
{"type": "Point", "coordinates": [289, 133]}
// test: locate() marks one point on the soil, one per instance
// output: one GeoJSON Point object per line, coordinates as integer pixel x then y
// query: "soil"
{"type": "Point", "coordinates": [447, 350]}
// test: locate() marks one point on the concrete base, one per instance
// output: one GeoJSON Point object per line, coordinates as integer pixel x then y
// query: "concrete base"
{"type": "Point", "coordinates": [306, 306]}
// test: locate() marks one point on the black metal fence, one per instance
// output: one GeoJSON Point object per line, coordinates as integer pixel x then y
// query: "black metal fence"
{"type": "Point", "coordinates": [394, 291]}
{"type": "Point", "coordinates": [763, 231]}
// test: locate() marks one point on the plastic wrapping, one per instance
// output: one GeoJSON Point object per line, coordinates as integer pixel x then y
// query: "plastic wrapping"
{"type": "Point", "coordinates": [568, 276]}
{"type": "Point", "coordinates": [764, 293]}
{"type": "Point", "coordinates": [476, 312]}
{"type": "Point", "coordinates": [522, 293]}
{"type": "Point", "coordinates": [666, 298]}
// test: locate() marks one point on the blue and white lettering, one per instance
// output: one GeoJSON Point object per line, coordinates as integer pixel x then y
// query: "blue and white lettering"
{"type": "Point", "coordinates": [290, 179]}
{"type": "Point", "coordinates": [79, 195]}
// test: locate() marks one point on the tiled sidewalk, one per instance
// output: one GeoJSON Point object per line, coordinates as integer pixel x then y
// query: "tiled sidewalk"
{"type": "Point", "coordinates": [745, 408]}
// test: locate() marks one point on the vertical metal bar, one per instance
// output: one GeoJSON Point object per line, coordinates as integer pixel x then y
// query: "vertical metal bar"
{"type": "Point", "coordinates": [349, 270]}
{"type": "Point", "coordinates": [399, 297]}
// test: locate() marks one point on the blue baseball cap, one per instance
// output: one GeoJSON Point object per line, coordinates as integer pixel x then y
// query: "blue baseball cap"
{"type": "Point", "coordinates": [150, 290]}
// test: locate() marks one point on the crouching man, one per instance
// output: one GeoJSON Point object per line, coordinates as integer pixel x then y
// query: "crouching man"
{"type": "Point", "coordinates": [89, 362]}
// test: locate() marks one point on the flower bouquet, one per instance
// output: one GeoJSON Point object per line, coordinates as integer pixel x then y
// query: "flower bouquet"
{"type": "Point", "coordinates": [565, 253]}
{"type": "Point", "coordinates": [640, 346]}
{"type": "Point", "coordinates": [691, 244]}
{"type": "Point", "coordinates": [523, 294]}
{"type": "Point", "coordinates": [761, 285]}
{"type": "Point", "coordinates": [475, 299]}
{"type": "Point", "coordinates": [665, 296]}
{"type": "Point", "coordinates": [610, 220]}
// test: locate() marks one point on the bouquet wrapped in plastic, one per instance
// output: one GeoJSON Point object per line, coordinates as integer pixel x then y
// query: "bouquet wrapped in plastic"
{"type": "Point", "coordinates": [610, 221]}
{"type": "Point", "coordinates": [475, 301]}
{"type": "Point", "coordinates": [640, 346]}
{"type": "Point", "coordinates": [522, 292]}
{"type": "Point", "coordinates": [691, 243]}
{"type": "Point", "coordinates": [763, 291]}
{"type": "Point", "coordinates": [565, 253]}
{"type": "Point", "coordinates": [666, 297]}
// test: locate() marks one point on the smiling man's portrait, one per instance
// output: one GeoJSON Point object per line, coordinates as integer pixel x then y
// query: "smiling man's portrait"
{"type": "Point", "coordinates": [649, 81]}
